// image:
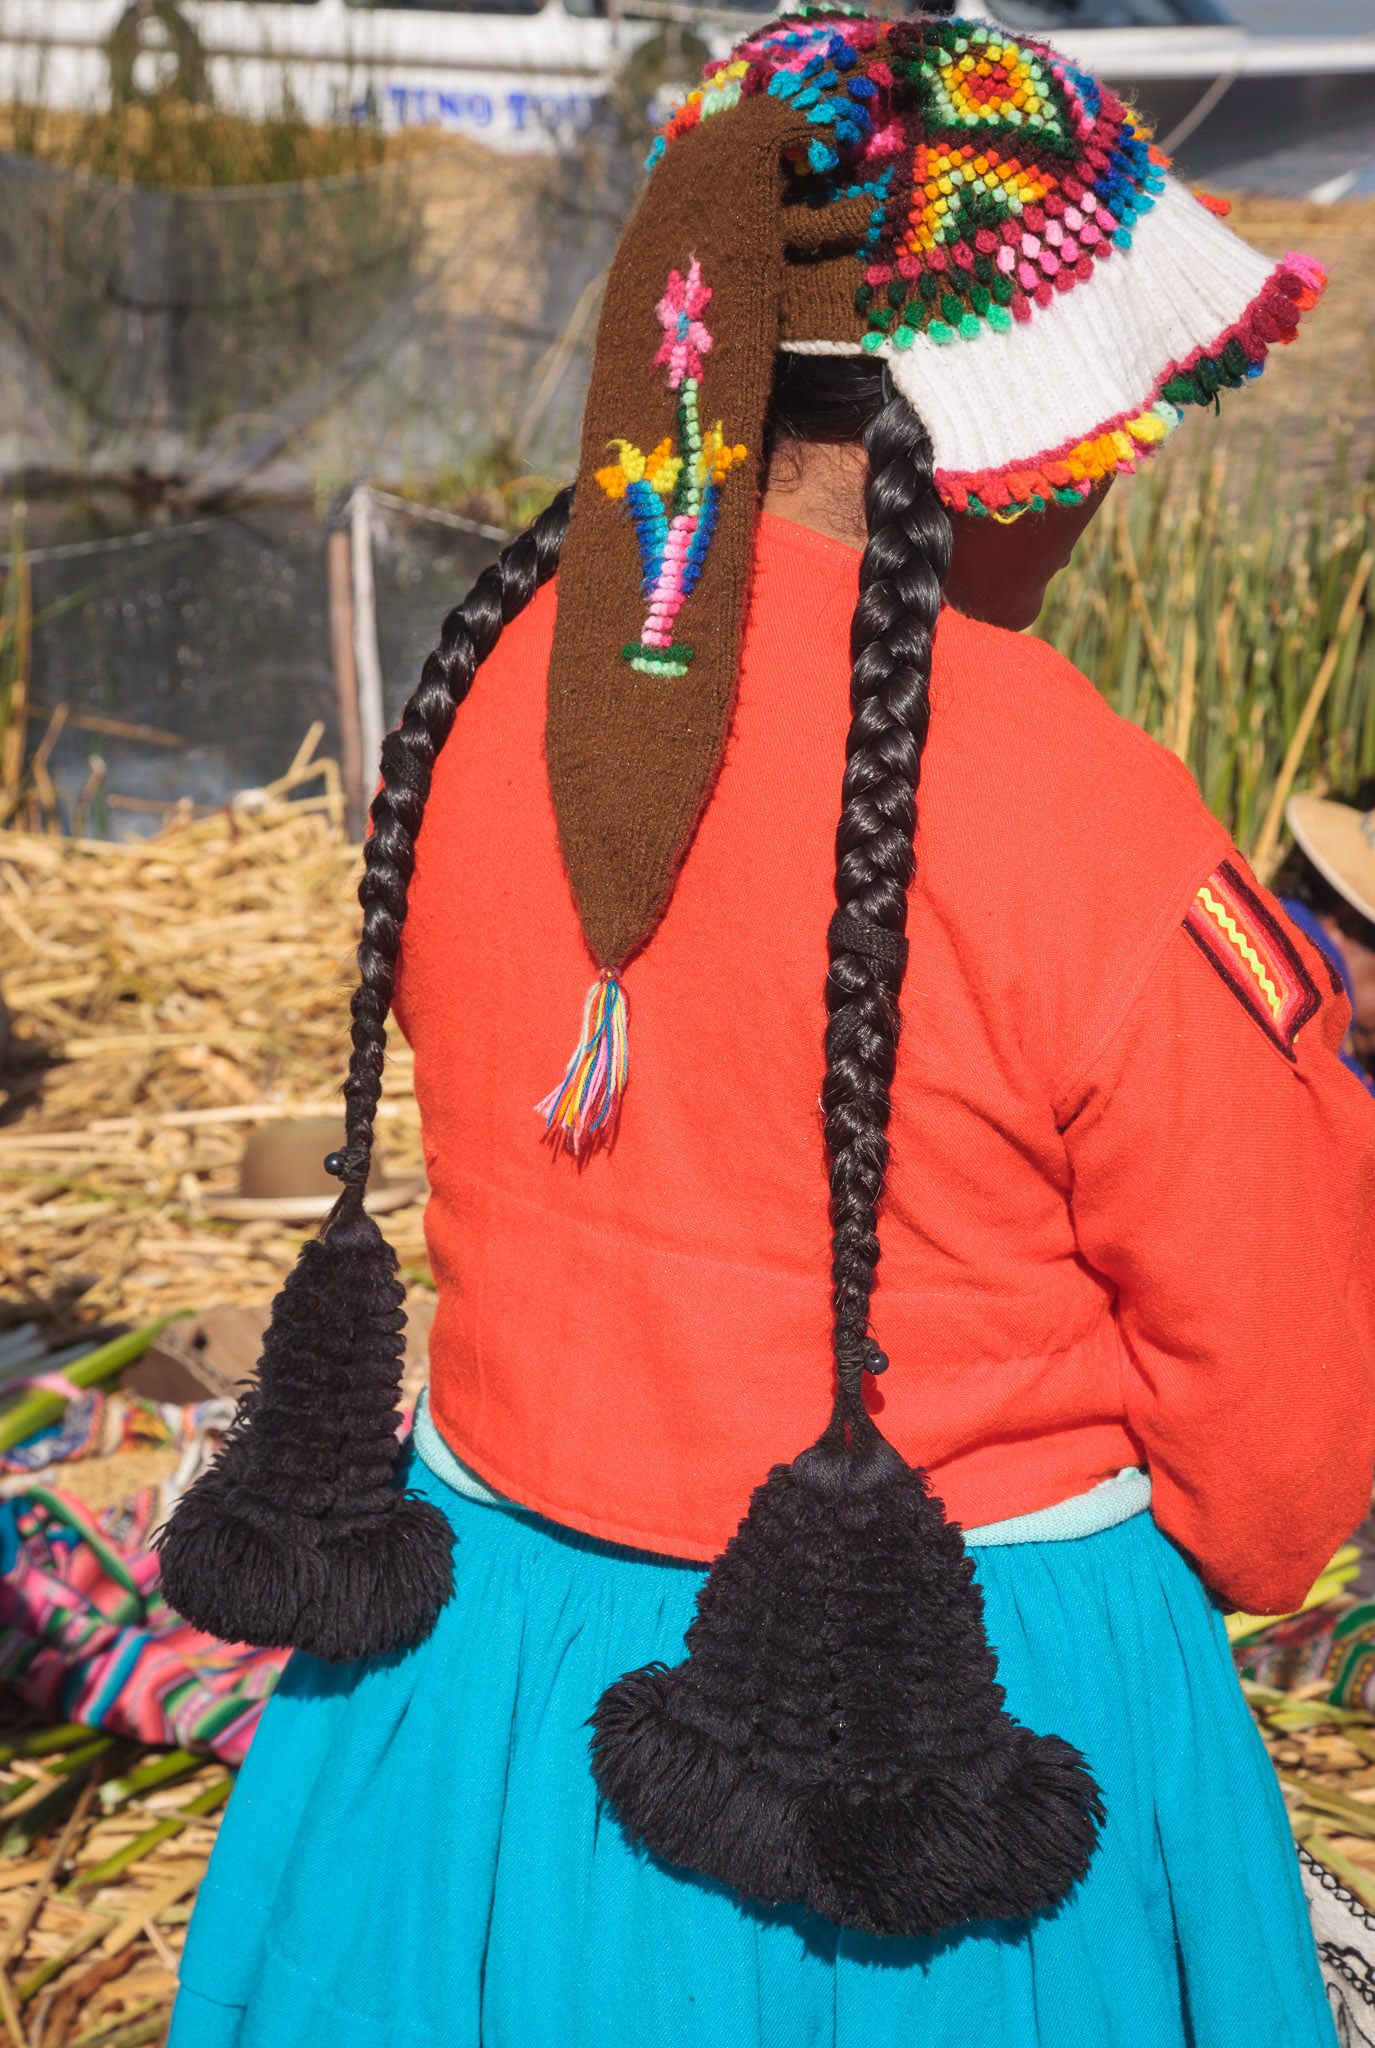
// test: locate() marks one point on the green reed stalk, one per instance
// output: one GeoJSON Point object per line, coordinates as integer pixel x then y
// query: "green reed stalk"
{"type": "Point", "coordinates": [26, 1412]}
{"type": "Point", "coordinates": [1205, 613]}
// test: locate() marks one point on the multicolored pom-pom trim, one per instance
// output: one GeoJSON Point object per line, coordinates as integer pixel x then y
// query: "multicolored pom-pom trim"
{"type": "Point", "coordinates": [1064, 478]}
{"type": "Point", "coordinates": [1066, 475]}
{"type": "Point", "coordinates": [1025, 175]}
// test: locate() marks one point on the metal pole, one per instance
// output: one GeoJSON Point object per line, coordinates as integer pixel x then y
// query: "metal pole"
{"type": "Point", "coordinates": [339, 567]}
{"type": "Point", "coordinates": [365, 651]}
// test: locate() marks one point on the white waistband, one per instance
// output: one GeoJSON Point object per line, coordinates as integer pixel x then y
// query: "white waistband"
{"type": "Point", "coordinates": [1114, 1500]}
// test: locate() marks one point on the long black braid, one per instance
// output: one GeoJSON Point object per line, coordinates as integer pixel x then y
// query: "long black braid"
{"type": "Point", "coordinates": [298, 1535]}
{"type": "Point", "coordinates": [468, 635]}
{"type": "Point", "coordinates": [845, 399]}
{"type": "Point", "coordinates": [836, 1734]}
{"type": "Point", "coordinates": [891, 638]}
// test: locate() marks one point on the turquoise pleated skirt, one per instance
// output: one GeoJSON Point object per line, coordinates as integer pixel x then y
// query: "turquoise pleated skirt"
{"type": "Point", "coordinates": [415, 1856]}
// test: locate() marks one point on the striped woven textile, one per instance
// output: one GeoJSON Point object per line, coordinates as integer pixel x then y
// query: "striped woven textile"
{"type": "Point", "coordinates": [85, 1634]}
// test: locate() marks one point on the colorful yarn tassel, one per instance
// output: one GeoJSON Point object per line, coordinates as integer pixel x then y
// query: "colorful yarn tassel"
{"type": "Point", "coordinates": [583, 1108]}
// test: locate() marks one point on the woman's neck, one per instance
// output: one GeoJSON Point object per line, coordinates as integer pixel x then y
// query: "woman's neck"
{"type": "Point", "coordinates": [997, 573]}
{"type": "Point", "coordinates": [820, 484]}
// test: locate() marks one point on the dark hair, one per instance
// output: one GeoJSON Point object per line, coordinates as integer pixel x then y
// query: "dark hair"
{"type": "Point", "coordinates": [1299, 879]}
{"type": "Point", "coordinates": [297, 1536]}
{"type": "Point", "coordinates": [904, 566]}
{"type": "Point", "coordinates": [468, 635]}
{"type": "Point", "coordinates": [253, 1551]}
{"type": "Point", "coordinates": [823, 398]}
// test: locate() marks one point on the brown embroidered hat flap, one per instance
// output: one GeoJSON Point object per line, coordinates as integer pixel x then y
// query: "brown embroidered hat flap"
{"type": "Point", "coordinates": [642, 677]}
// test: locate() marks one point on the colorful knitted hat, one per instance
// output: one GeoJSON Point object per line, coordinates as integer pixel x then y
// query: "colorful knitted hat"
{"type": "Point", "coordinates": [1041, 299]}
{"type": "Point", "coordinates": [959, 202]}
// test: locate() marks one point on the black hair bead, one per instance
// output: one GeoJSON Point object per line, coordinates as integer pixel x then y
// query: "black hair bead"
{"type": "Point", "coordinates": [334, 1163]}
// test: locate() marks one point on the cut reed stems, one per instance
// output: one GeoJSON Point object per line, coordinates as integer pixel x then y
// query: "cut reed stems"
{"type": "Point", "coordinates": [168, 994]}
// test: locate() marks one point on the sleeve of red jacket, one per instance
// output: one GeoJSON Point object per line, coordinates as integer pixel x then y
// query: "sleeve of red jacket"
{"type": "Point", "coordinates": [1228, 1193]}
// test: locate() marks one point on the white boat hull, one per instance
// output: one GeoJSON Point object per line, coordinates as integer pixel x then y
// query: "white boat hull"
{"type": "Point", "coordinates": [518, 82]}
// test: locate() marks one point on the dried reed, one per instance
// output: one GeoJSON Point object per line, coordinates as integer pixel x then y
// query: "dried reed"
{"type": "Point", "coordinates": [169, 995]}
{"type": "Point", "coordinates": [175, 144]}
{"type": "Point", "coordinates": [94, 1906]}
{"type": "Point", "coordinates": [1325, 1759]}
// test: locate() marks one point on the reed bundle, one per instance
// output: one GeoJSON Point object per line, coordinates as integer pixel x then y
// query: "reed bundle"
{"type": "Point", "coordinates": [169, 996]}
{"type": "Point", "coordinates": [1231, 620]}
{"type": "Point", "coordinates": [174, 144]}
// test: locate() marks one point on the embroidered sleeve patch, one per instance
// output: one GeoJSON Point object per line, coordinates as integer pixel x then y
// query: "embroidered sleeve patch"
{"type": "Point", "coordinates": [1246, 944]}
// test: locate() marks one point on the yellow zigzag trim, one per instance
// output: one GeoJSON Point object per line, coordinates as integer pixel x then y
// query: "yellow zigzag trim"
{"type": "Point", "coordinates": [1243, 946]}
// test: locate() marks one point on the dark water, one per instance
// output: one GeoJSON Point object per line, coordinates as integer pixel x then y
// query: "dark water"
{"type": "Point", "coordinates": [217, 636]}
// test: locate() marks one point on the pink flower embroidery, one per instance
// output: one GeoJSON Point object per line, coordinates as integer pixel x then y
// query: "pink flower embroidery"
{"type": "Point", "coordinates": [685, 340]}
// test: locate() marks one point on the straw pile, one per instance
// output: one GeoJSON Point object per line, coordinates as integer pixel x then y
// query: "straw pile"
{"type": "Point", "coordinates": [96, 1895]}
{"type": "Point", "coordinates": [169, 996]}
{"type": "Point", "coordinates": [1328, 378]}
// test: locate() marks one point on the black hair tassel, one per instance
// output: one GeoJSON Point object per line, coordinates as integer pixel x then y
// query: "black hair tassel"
{"type": "Point", "coordinates": [297, 1536]}
{"type": "Point", "coordinates": [837, 1735]}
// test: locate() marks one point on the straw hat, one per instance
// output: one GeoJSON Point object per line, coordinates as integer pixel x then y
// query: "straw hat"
{"type": "Point", "coordinates": [1340, 842]}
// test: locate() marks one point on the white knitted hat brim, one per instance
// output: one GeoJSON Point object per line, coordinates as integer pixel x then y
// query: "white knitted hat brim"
{"type": "Point", "coordinates": [1096, 356]}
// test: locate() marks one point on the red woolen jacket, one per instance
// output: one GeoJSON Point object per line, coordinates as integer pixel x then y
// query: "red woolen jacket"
{"type": "Point", "coordinates": [1127, 1221]}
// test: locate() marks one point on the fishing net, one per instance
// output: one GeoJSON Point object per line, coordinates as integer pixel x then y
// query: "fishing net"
{"type": "Point", "coordinates": [401, 321]}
